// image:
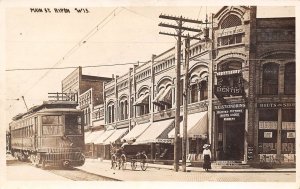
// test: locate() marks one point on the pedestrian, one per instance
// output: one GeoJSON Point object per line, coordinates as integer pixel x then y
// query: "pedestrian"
{"type": "Point", "coordinates": [207, 157]}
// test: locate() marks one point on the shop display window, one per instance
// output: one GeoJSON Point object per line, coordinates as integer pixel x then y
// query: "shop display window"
{"type": "Point", "coordinates": [267, 131]}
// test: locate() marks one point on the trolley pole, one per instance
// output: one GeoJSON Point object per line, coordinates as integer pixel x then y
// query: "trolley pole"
{"type": "Point", "coordinates": [179, 34]}
{"type": "Point", "coordinates": [25, 102]}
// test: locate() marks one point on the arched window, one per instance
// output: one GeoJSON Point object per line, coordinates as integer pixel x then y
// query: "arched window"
{"type": "Point", "coordinates": [203, 90]}
{"type": "Point", "coordinates": [270, 78]}
{"type": "Point", "coordinates": [131, 107]}
{"type": "Point", "coordinates": [125, 109]}
{"type": "Point", "coordinates": [111, 112]}
{"type": "Point", "coordinates": [231, 21]}
{"type": "Point", "coordinates": [194, 93]}
{"type": "Point", "coordinates": [233, 80]}
{"type": "Point", "coordinates": [122, 110]}
{"type": "Point", "coordinates": [289, 78]}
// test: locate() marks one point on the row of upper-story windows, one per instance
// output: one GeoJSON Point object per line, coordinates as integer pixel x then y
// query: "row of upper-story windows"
{"type": "Point", "coordinates": [197, 92]}
{"type": "Point", "coordinates": [270, 78]}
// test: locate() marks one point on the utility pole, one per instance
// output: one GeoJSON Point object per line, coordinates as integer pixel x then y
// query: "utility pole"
{"type": "Point", "coordinates": [185, 102]}
{"type": "Point", "coordinates": [179, 34]}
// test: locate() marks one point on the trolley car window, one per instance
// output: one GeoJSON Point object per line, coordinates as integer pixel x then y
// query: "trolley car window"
{"type": "Point", "coordinates": [52, 125]}
{"type": "Point", "coordinates": [73, 125]}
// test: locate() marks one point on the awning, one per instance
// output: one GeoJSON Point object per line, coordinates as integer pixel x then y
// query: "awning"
{"type": "Point", "coordinates": [166, 96]}
{"type": "Point", "coordinates": [144, 99]}
{"type": "Point", "coordinates": [135, 132]}
{"type": "Point", "coordinates": [155, 100]}
{"type": "Point", "coordinates": [156, 133]}
{"type": "Point", "coordinates": [115, 136]}
{"type": "Point", "coordinates": [103, 137]}
{"type": "Point", "coordinates": [93, 136]}
{"type": "Point", "coordinates": [196, 126]}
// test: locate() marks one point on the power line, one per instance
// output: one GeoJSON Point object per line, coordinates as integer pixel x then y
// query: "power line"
{"type": "Point", "coordinates": [134, 12]}
{"type": "Point", "coordinates": [70, 67]}
{"type": "Point", "coordinates": [72, 50]}
{"type": "Point", "coordinates": [128, 63]}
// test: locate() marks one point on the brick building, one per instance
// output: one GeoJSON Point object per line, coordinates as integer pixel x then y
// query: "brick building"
{"type": "Point", "coordinates": [89, 92]}
{"type": "Point", "coordinates": [241, 93]}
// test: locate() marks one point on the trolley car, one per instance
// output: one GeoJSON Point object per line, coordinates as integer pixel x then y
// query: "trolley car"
{"type": "Point", "coordinates": [49, 134]}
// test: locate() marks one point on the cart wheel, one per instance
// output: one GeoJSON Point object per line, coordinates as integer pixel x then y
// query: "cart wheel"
{"type": "Point", "coordinates": [144, 165]}
{"type": "Point", "coordinates": [123, 165]}
{"type": "Point", "coordinates": [114, 165]}
{"type": "Point", "coordinates": [133, 165]}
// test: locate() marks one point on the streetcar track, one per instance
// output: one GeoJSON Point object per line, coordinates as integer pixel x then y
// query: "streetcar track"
{"type": "Point", "coordinates": [80, 175]}
{"type": "Point", "coordinates": [73, 173]}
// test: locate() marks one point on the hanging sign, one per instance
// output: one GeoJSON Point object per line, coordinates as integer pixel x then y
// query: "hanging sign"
{"type": "Point", "coordinates": [228, 90]}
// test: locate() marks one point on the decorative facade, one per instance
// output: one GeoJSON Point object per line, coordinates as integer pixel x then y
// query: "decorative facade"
{"type": "Point", "coordinates": [241, 97]}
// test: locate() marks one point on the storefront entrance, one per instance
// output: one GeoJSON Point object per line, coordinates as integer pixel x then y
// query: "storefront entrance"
{"type": "Point", "coordinates": [234, 141]}
{"type": "Point", "coordinates": [231, 139]}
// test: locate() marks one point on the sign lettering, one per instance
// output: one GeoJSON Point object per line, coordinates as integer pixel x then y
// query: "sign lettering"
{"type": "Point", "coordinates": [276, 105]}
{"type": "Point", "coordinates": [228, 90]}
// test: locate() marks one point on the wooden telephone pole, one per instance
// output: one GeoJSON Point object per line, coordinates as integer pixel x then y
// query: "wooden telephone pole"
{"type": "Point", "coordinates": [179, 34]}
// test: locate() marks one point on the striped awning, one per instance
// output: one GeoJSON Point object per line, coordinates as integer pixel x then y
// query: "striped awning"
{"type": "Point", "coordinates": [93, 136]}
{"type": "Point", "coordinates": [116, 136]}
{"type": "Point", "coordinates": [155, 133]}
{"type": "Point", "coordinates": [104, 136]}
{"type": "Point", "coordinates": [142, 100]}
{"type": "Point", "coordinates": [135, 132]}
{"type": "Point", "coordinates": [196, 126]}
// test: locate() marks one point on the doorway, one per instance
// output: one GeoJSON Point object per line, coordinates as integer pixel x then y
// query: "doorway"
{"type": "Point", "coordinates": [231, 139]}
{"type": "Point", "coordinates": [234, 141]}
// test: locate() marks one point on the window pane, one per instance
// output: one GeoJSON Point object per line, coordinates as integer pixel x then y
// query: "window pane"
{"type": "Point", "coordinates": [270, 78]}
{"type": "Point", "coordinates": [288, 115]}
{"type": "Point", "coordinates": [290, 78]}
{"type": "Point", "coordinates": [52, 130]}
{"type": "Point", "coordinates": [194, 93]}
{"type": "Point", "coordinates": [51, 120]}
{"type": "Point", "coordinates": [268, 115]}
{"type": "Point", "coordinates": [73, 124]}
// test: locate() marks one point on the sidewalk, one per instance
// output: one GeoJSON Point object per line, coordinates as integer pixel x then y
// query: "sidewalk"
{"type": "Point", "coordinates": [200, 169]}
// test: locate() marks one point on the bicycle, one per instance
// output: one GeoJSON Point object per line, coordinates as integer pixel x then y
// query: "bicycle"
{"type": "Point", "coordinates": [140, 158]}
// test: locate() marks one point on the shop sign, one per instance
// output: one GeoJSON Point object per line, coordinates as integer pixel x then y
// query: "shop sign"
{"type": "Point", "coordinates": [228, 90]}
{"type": "Point", "coordinates": [230, 106]}
{"type": "Point", "coordinates": [276, 105]}
{"type": "Point", "coordinates": [267, 125]}
{"type": "Point", "coordinates": [267, 134]}
{"type": "Point", "coordinates": [288, 125]}
{"type": "Point", "coordinates": [229, 112]}
{"type": "Point", "coordinates": [290, 135]}
{"type": "Point", "coordinates": [231, 31]}
{"type": "Point", "coordinates": [250, 152]}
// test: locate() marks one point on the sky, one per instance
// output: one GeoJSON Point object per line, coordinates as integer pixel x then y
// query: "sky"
{"type": "Point", "coordinates": [42, 40]}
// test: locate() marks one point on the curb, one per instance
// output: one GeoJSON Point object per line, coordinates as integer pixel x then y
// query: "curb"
{"type": "Point", "coordinates": [199, 169]}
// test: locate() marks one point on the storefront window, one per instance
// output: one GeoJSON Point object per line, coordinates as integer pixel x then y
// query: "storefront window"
{"type": "Point", "coordinates": [290, 78]}
{"type": "Point", "coordinates": [288, 133]}
{"type": "Point", "coordinates": [270, 78]}
{"type": "Point", "coordinates": [267, 134]}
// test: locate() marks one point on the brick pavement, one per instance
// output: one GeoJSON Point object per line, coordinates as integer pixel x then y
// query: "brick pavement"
{"type": "Point", "coordinates": [165, 173]}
